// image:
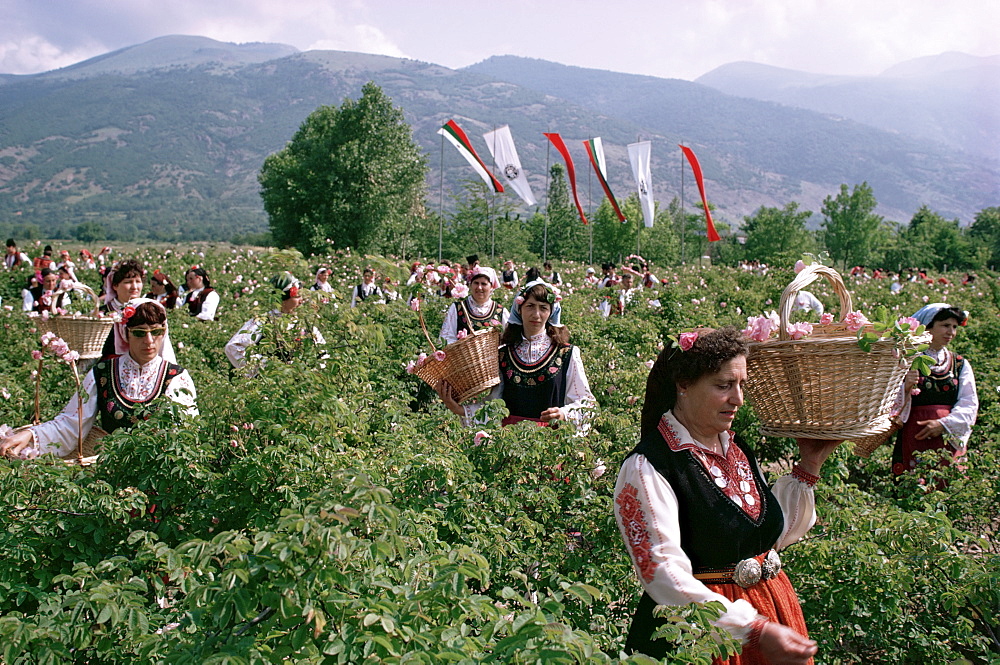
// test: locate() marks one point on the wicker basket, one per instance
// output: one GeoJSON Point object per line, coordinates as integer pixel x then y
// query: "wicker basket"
{"type": "Point", "coordinates": [470, 366]}
{"type": "Point", "coordinates": [84, 334]}
{"type": "Point", "coordinates": [86, 453]}
{"type": "Point", "coordinates": [824, 386]}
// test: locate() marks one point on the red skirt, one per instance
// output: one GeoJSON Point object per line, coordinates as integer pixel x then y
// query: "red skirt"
{"type": "Point", "coordinates": [908, 445]}
{"type": "Point", "coordinates": [774, 598]}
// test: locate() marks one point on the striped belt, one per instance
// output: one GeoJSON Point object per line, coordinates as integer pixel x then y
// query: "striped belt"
{"type": "Point", "coordinates": [746, 573]}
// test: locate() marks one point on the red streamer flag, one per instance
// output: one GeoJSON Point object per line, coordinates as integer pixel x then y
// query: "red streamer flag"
{"type": "Point", "coordinates": [696, 167]}
{"type": "Point", "coordinates": [596, 154]}
{"type": "Point", "coordinates": [557, 141]}
{"type": "Point", "coordinates": [451, 131]}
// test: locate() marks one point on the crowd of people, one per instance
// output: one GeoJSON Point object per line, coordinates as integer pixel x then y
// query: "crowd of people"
{"type": "Point", "coordinates": [698, 519]}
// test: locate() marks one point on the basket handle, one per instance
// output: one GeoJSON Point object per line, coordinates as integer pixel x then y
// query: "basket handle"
{"type": "Point", "coordinates": [807, 276]}
{"type": "Point", "coordinates": [82, 288]}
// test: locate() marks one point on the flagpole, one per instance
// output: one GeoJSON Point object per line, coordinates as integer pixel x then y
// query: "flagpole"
{"type": "Point", "coordinates": [683, 214]}
{"type": "Point", "coordinates": [590, 209]}
{"type": "Point", "coordinates": [545, 232]}
{"type": "Point", "coordinates": [493, 224]}
{"type": "Point", "coordinates": [441, 203]}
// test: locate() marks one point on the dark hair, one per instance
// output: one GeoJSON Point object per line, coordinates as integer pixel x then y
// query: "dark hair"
{"type": "Point", "coordinates": [201, 273]}
{"type": "Point", "coordinates": [946, 313]}
{"type": "Point", "coordinates": [47, 271]}
{"type": "Point", "coordinates": [532, 274]}
{"type": "Point", "coordinates": [11, 243]}
{"type": "Point", "coordinates": [147, 314]}
{"type": "Point", "coordinates": [48, 250]}
{"type": "Point", "coordinates": [514, 333]}
{"type": "Point", "coordinates": [547, 264]}
{"type": "Point", "coordinates": [711, 350]}
{"type": "Point", "coordinates": [126, 269]}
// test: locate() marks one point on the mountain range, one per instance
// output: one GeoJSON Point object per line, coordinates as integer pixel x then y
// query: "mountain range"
{"type": "Point", "coordinates": [164, 140]}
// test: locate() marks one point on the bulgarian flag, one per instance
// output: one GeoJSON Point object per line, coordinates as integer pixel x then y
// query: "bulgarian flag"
{"type": "Point", "coordinates": [557, 141]}
{"type": "Point", "coordinates": [596, 153]}
{"type": "Point", "coordinates": [696, 167]}
{"type": "Point", "coordinates": [451, 131]}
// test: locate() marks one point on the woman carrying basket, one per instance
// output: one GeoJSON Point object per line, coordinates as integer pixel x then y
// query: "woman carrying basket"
{"type": "Point", "coordinates": [697, 517]}
{"type": "Point", "coordinates": [943, 406]}
{"type": "Point", "coordinates": [118, 389]}
{"type": "Point", "coordinates": [541, 373]}
{"type": "Point", "coordinates": [475, 311]}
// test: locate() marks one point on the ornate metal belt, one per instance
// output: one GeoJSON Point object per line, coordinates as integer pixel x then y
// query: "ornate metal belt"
{"type": "Point", "coordinates": [746, 573]}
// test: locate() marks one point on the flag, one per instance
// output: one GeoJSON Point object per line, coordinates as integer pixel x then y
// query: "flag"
{"type": "Point", "coordinates": [570, 171]}
{"type": "Point", "coordinates": [696, 167]}
{"type": "Point", "coordinates": [451, 131]}
{"type": "Point", "coordinates": [596, 153]}
{"type": "Point", "coordinates": [501, 145]}
{"type": "Point", "coordinates": [639, 155]}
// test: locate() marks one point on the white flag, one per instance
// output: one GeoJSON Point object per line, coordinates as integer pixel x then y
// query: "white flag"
{"type": "Point", "coordinates": [501, 145]}
{"type": "Point", "coordinates": [638, 154]}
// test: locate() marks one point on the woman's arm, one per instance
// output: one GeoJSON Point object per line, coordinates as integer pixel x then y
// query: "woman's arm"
{"type": "Point", "coordinates": [580, 400]}
{"type": "Point", "coordinates": [59, 435]}
{"type": "Point", "coordinates": [209, 307]}
{"type": "Point", "coordinates": [236, 347]}
{"type": "Point", "coordinates": [181, 390]}
{"type": "Point", "coordinates": [959, 422]}
{"type": "Point", "coordinates": [449, 327]}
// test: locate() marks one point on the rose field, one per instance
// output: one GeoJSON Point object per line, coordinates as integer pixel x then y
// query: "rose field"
{"type": "Point", "coordinates": [332, 510]}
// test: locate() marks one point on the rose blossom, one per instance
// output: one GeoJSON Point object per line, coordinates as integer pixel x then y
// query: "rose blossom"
{"type": "Point", "coordinates": [908, 321]}
{"type": "Point", "coordinates": [855, 321]}
{"type": "Point", "coordinates": [826, 318]}
{"type": "Point", "coordinates": [415, 304]}
{"type": "Point", "coordinates": [411, 366]}
{"type": "Point", "coordinates": [800, 330]}
{"type": "Point", "coordinates": [37, 355]}
{"type": "Point", "coordinates": [421, 359]}
{"type": "Point", "coordinates": [462, 334]}
{"type": "Point", "coordinates": [519, 301]}
{"type": "Point", "coordinates": [687, 340]}
{"type": "Point", "coordinates": [649, 364]}
{"type": "Point", "coordinates": [439, 356]}
{"type": "Point", "coordinates": [800, 265]}
{"type": "Point", "coordinates": [480, 438]}
{"type": "Point", "coordinates": [460, 291]}
{"type": "Point", "coordinates": [598, 470]}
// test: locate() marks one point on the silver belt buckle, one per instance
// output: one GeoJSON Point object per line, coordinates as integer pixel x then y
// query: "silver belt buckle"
{"type": "Point", "coordinates": [771, 566]}
{"type": "Point", "coordinates": [749, 572]}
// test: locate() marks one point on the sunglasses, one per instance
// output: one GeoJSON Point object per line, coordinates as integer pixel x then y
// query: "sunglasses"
{"type": "Point", "coordinates": [140, 333]}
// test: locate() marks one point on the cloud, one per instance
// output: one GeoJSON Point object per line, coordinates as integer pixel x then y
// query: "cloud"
{"type": "Point", "coordinates": [33, 53]}
{"type": "Point", "coordinates": [360, 38]}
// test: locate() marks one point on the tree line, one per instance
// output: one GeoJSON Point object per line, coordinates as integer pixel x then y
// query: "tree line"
{"type": "Point", "coordinates": [353, 177]}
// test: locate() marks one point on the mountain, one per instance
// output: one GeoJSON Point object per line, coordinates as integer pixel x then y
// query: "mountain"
{"type": "Point", "coordinates": [164, 140]}
{"type": "Point", "coordinates": [952, 98]}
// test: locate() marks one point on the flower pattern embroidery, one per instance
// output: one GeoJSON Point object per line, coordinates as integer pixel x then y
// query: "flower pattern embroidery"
{"type": "Point", "coordinates": [636, 531]}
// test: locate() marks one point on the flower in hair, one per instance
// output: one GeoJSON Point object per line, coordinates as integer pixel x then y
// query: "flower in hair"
{"type": "Point", "coordinates": [125, 315]}
{"type": "Point", "coordinates": [519, 301]}
{"type": "Point", "coordinates": [687, 340]}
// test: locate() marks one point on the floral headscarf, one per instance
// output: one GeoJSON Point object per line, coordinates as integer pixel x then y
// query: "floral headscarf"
{"type": "Point", "coordinates": [515, 307]}
{"type": "Point", "coordinates": [489, 273]}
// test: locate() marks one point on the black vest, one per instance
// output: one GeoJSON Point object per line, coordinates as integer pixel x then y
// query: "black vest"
{"type": "Point", "coordinates": [195, 304]}
{"type": "Point", "coordinates": [114, 408]}
{"type": "Point", "coordinates": [530, 389]}
{"type": "Point", "coordinates": [469, 322]}
{"type": "Point", "coordinates": [941, 387]}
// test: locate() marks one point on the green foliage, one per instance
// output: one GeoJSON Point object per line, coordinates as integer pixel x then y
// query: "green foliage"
{"type": "Point", "coordinates": [851, 231]}
{"type": "Point", "coordinates": [777, 236]}
{"type": "Point", "coordinates": [351, 177]}
{"type": "Point", "coordinates": [331, 510]}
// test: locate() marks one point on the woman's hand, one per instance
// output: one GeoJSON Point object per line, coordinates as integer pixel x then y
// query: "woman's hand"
{"type": "Point", "coordinates": [447, 395]}
{"type": "Point", "coordinates": [813, 452]}
{"type": "Point", "coordinates": [931, 429]}
{"type": "Point", "coordinates": [13, 445]}
{"type": "Point", "coordinates": [783, 646]}
{"type": "Point", "coordinates": [910, 380]}
{"type": "Point", "coordinates": [553, 413]}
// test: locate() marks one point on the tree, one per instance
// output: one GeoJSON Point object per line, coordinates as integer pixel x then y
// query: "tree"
{"type": "Point", "coordinates": [350, 177]}
{"type": "Point", "coordinates": [932, 241]}
{"type": "Point", "coordinates": [564, 237]}
{"type": "Point", "coordinates": [482, 222]}
{"type": "Point", "coordinates": [985, 233]}
{"type": "Point", "coordinates": [851, 231]}
{"type": "Point", "coordinates": [89, 232]}
{"type": "Point", "coordinates": [777, 235]}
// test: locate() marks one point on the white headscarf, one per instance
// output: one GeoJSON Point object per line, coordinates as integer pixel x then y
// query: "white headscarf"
{"type": "Point", "coordinates": [121, 330]}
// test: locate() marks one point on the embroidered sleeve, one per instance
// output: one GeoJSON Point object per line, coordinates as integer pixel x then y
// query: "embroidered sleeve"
{"type": "Point", "coordinates": [59, 435]}
{"type": "Point", "coordinates": [646, 511]}
{"type": "Point", "coordinates": [236, 347]}
{"type": "Point", "coordinates": [580, 400]}
{"type": "Point", "coordinates": [795, 495]}
{"type": "Point", "coordinates": [959, 422]}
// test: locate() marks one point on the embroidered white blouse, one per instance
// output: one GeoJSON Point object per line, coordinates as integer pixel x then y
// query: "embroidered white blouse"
{"type": "Point", "coordinates": [368, 290]}
{"type": "Point", "coordinates": [654, 540]}
{"type": "Point", "coordinates": [249, 334]}
{"type": "Point", "coordinates": [958, 424]}
{"type": "Point", "coordinates": [208, 307]}
{"type": "Point", "coordinates": [449, 328]}
{"type": "Point", "coordinates": [579, 399]}
{"type": "Point", "coordinates": [137, 382]}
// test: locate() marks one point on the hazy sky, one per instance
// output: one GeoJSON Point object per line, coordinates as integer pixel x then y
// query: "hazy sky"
{"type": "Point", "coordinates": [667, 38]}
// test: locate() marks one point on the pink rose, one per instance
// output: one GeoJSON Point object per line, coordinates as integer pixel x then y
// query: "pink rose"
{"type": "Point", "coordinates": [460, 291]}
{"type": "Point", "coordinates": [855, 321]}
{"type": "Point", "coordinates": [439, 356]}
{"type": "Point", "coordinates": [687, 340]}
{"type": "Point", "coordinates": [411, 367]}
{"type": "Point", "coordinates": [480, 438]}
{"type": "Point", "coordinates": [908, 322]}
{"type": "Point", "coordinates": [37, 355]}
{"type": "Point", "coordinates": [519, 301]}
{"type": "Point", "coordinates": [598, 470]}
{"type": "Point", "coordinates": [649, 364]}
{"type": "Point", "coordinates": [800, 265]}
{"type": "Point", "coordinates": [800, 330]}
{"type": "Point", "coordinates": [443, 270]}
{"type": "Point", "coordinates": [71, 357]}
{"type": "Point", "coordinates": [462, 334]}
{"type": "Point", "coordinates": [415, 304]}
{"type": "Point", "coordinates": [421, 359]}
{"type": "Point", "coordinates": [826, 318]}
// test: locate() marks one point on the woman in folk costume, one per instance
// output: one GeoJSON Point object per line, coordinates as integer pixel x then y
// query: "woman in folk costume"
{"type": "Point", "coordinates": [474, 311]}
{"type": "Point", "coordinates": [943, 406]}
{"type": "Point", "coordinates": [163, 290]}
{"type": "Point", "coordinates": [201, 299]}
{"type": "Point", "coordinates": [367, 290]}
{"type": "Point", "coordinates": [119, 390]}
{"type": "Point", "coordinates": [697, 517]}
{"type": "Point", "coordinates": [322, 281]}
{"type": "Point", "coordinates": [253, 330]}
{"type": "Point", "coordinates": [509, 276]}
{"type": "Point", "coordinates": [541, 374]}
